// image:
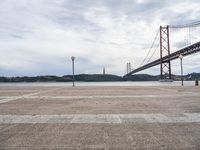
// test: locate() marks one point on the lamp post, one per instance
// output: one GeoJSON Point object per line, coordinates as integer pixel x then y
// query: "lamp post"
{"type": "Point", "coordinates": [181, 59]}
{"type": "Point", "coordinates": [73, 58]}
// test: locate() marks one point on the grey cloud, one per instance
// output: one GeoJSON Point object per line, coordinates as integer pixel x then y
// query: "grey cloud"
{"type": "Point", "coordinates": [16, 36]}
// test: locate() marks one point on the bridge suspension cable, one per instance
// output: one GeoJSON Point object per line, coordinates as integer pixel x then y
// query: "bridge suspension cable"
{"type": "Point", "coordinates": [152, 45]}
{"type": "Point", "coordinates": [153, 53]}
{"type": "Point", "coordinates": [184, 35]}
{"type": "Point", "coordinates": [194, 24]}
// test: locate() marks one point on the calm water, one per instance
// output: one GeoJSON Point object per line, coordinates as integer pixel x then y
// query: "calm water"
{"type": "Point", "coordinates": [68, 84]}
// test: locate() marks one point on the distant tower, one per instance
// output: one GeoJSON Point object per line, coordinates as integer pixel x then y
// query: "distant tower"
{"type": "Point", "coordinates": [128, 67]}
{"type": "Point", "coordinates": [104, 71]}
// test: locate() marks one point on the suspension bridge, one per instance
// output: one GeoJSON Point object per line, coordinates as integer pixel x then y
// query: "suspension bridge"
{"type": "Point", "coordinates": [182, 39]}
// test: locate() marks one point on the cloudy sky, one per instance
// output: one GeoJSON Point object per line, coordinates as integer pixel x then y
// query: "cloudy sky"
{"type": "Point", "coordinates": [38, 37]}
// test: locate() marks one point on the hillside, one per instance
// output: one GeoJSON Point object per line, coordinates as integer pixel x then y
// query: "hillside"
{"type": "Point", "coordinates": [95, 78]}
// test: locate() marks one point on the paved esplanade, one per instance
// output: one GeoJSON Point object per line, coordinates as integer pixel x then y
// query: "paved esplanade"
{"type": "Point", "coordinates": [99, 117]}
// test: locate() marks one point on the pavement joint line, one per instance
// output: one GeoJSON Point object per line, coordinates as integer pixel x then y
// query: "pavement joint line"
{"type": "Point", "coordinates": [12, 98]}
{"type": "Point", "coordinates": [16, 97]}
{"type": "Point", "coordinates": [101, 118]}
{"type": "Point", "coordinates": [32, 96]}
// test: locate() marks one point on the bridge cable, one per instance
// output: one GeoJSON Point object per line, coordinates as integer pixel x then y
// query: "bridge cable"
{"type": "Point", "coordinates": [194, 24]}
{"type": "Point", "coordinates": [152, 45]}
{"type": "Point", "coordinates": [153, 53]}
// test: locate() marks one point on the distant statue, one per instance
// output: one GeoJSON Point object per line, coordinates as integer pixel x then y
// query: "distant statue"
{"type": "Point", "coordinates": [104, 71]}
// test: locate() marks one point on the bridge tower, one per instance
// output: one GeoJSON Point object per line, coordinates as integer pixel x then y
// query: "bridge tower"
{"type": "Point", "coordinates": [165, 67]}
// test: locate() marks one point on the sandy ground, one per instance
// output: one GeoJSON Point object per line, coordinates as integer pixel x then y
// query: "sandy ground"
{"type": "Point", "coordinates": [99, 117]}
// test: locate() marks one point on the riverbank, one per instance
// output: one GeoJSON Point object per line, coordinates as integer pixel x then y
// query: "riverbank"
{"type": "Point", "coordinates": [113, 83]}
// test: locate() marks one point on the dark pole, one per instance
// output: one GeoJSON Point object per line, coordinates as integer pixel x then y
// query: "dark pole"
{"type": "Point", "coordinates": [73, 58]}
{"type": "Point", "coordinates": [181, 59]}
{"type": "Point", "coordinates": [181, 72]}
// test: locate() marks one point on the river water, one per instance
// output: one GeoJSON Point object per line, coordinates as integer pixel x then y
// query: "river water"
{"type": "Point", "coordinates": [128, 83]}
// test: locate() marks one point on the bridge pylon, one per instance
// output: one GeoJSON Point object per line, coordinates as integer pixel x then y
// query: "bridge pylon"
{"type": "Point", "coordinates": [165, 66]}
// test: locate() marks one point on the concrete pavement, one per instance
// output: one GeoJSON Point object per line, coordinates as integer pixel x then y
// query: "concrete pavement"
{"type": "Point", "coordinates": [99, 118]}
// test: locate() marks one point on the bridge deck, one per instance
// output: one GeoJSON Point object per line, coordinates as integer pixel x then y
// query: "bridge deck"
{"type": "Point", "coordinates": [185, 51]}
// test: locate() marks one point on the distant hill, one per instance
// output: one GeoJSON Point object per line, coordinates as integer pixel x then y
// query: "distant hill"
{"type": "Point", "coordinates": [95, 78]}
{"type": "Point", "coordinates": [66, 78]}
{"type": "Point", "coordinates": [143, 77]}
{"type": "Point", "coordinates": [193, 76]}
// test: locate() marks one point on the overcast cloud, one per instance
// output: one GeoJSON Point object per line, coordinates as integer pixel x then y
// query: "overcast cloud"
{"type": "Point", "coordinates": [38, 37]}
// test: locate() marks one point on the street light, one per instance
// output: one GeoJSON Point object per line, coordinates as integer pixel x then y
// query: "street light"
{"type": "Point", "coordinates": [73, 58]}
{"type": "Point", "coordinates": [181, 58]}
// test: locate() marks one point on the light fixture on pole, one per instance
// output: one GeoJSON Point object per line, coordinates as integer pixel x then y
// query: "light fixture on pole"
{"type": "Point", "coordinates": [181, 60]}
{"type": "Point", "coordinates": [73, 58]}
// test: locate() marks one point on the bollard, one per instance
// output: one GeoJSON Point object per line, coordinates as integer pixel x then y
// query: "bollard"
{"type": "Point", "coordinates": [196, 83]}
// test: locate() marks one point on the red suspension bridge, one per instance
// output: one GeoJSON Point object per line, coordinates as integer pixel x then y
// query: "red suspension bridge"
{"type": "Point", "coordinates": [190, 46]}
